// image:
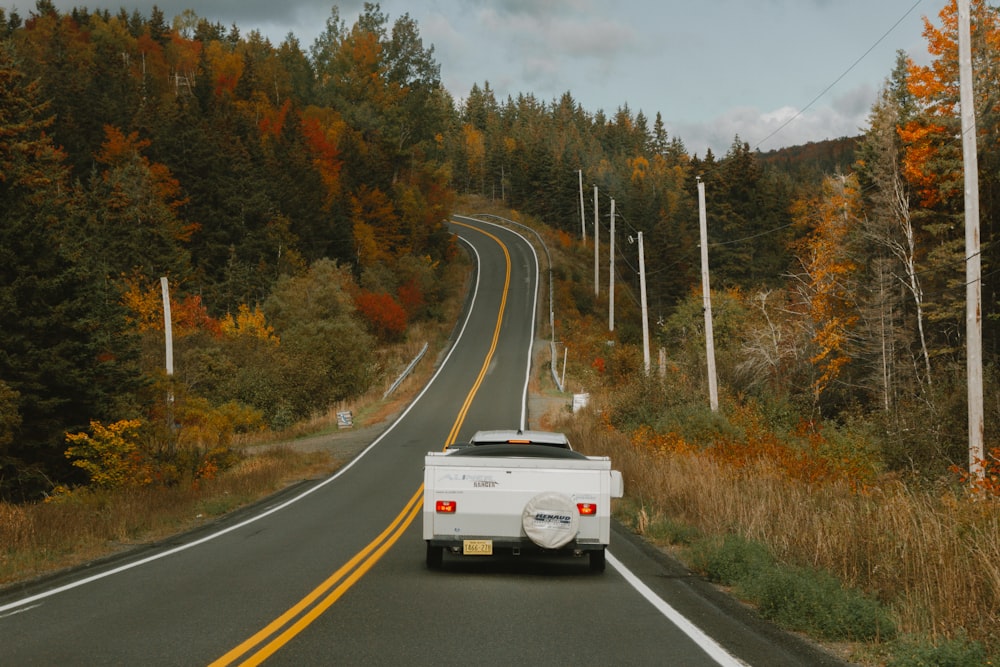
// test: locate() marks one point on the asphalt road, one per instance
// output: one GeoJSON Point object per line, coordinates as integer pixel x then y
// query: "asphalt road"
{"type": "Point", "coordinates": [332, 572]}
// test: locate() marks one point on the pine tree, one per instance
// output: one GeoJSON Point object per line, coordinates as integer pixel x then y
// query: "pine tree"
{"type": "Point", "coordinates": [61, 347]}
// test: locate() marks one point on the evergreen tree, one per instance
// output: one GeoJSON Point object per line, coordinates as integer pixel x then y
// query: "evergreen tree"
{"type": "Point", "coordinates": [61, 344]}
{"type": "Point", "coordinates": [748, 218]}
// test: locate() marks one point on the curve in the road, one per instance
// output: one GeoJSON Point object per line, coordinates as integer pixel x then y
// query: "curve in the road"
{"type": "Point", "coordinates": [298, 617]}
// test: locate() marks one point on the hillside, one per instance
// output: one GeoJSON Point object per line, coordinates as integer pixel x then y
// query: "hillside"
{"type": "Point", "coordinates": [812, 161]}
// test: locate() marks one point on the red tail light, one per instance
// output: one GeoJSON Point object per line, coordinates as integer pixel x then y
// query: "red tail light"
{"type": "Point", "coordinates": [446, 506]}
{"type": "Point", "coordinates": [586, 509]}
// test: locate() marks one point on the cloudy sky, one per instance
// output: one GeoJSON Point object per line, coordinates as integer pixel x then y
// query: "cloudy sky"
{"type": "Point", "coordinates": [714, 69]}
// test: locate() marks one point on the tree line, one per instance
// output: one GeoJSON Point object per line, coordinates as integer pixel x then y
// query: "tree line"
{"type": "Point", "coordinates": [295, 197]}
{"type": "Point", "coordinates": [840, 266]}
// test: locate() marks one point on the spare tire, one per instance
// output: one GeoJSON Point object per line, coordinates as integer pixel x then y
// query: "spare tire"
{"type": "Point", "coordinates": [550, 520]}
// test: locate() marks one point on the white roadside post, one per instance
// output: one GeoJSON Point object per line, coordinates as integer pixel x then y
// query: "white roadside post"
{"type": "Point", "coordinates": [167, 327]}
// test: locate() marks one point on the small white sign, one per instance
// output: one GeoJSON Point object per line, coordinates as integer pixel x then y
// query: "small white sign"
{"type": "Point", "coordinates": [345, 419]}
{"type": "Point", "coordinates": [580, 401]}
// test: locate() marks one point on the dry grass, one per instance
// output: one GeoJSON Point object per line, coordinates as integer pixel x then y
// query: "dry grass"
{"type": "Point", "coordinates": [42, 538]}
{"type": "Point", "coordinates": [933, 559]}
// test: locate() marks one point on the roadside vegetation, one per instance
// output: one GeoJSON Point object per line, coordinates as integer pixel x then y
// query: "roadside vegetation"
{"type": "Point", "coordinates": [802, 517]}
{"type": "Point", "coordinates": [94, 523]}
{"type": "Point", "coordinates": [120, 512]}
{"type": "Point", "coordinates": [883, 566]}
{"type": "Point", "coordinates": [295, 197]}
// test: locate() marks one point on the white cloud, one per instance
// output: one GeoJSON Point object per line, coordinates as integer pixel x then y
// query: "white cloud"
{"type": "Point", "coordinates": [770, 130]}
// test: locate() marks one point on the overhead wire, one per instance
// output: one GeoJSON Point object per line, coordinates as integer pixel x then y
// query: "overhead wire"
{"type": "Point", "coordinates": [822, 93]}
{"type": "Point", "coordinates": [841, 77]}
{"type": "Point", "coordinates": [933, 270]}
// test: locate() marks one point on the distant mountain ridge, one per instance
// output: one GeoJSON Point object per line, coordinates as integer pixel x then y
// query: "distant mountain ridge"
{"type": "Point", "coordinates": [815, 159]}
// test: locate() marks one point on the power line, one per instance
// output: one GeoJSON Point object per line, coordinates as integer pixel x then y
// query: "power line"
{"type": "Point", "coordinates": [839, 78]}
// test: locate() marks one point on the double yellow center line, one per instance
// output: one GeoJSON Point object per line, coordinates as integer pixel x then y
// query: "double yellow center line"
{"type": "Point", "coordinates": [283, 629]}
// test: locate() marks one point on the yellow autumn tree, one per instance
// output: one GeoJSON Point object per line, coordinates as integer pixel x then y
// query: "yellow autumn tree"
{"type": "Point", "coordinates": [248, 322]}
{"type": "Point", "coordinates": [144, 304]}
{"type": "Point", "coordinates": [111, 455]}
{"type": "Point", "coordinates": [226, 64]}
{"type": "Point", "coordinates": [375, 225]}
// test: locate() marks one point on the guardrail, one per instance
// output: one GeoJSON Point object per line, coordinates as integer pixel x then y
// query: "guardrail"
{"type": "Point", "coordinates": [409, 369]}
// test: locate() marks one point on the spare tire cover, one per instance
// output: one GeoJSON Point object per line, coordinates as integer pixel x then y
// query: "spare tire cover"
{"type": "Point", "coordinates": [550, 520]}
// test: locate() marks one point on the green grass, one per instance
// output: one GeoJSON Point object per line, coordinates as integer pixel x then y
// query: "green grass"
{"type": "Point", "coordinates": [797, 598]}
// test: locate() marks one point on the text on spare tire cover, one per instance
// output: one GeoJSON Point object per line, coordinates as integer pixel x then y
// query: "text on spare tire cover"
{"type": "Point", "coordinates": [544, 518]}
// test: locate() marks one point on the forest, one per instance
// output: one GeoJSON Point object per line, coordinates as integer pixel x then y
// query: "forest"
{"type": "Point", "coordinates": [294, 196]}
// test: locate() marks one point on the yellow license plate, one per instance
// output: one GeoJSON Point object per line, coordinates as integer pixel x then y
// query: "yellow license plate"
{"type": "Point", "coordinates": [477, 547]}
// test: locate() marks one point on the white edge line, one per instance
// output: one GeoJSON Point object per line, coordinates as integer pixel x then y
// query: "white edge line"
{"type": "Point", "coordinates": [128, 566]}
{"type": "Point", "coordinates": [706, 643]}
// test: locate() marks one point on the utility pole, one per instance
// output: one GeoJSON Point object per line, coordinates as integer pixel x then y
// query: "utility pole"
{"type": "Point", "coordinates": [167, 327]}
{"type": "Point", "coordinates": [611, 288]}
{"type": "Point", "coordinates": [169, 335]}
{"type": "Point", "coordinates": [706, 293]}
{"type": "Point", "coordinates": [645, 307]}
{"type": "Point", "coordinates": [973, 262]}
{"type": "Point", "coordinates": [583, 216]}
{"type": "Point", "coordinates": [597, 247]}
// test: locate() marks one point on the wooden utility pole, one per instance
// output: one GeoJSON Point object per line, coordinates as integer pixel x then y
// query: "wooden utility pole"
{"type": "Point", "coordinates": [973, 262]}
{"type": "Point", "coordinates": [169, 338]}
{"type": "Point", "coordinates": [167, 326]}
{"type": "Point", "coordinates": [611, 283]}
{"type": "Point", "coordinates": [583, 215]}
{"type": "Point", "coordinates": [645, 307]}
{"type": "Point", "coordinates": [597, 247]}
{"type": "Point", "coordinates": [706, 293]}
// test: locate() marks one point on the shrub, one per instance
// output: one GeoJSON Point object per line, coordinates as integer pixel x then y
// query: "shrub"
{"type": "Point", "coordinates": [732, 561]}
{"type": "Point", "coordinates": [385, 317]}
{"type": "Point", "coordinates": [111, 457]}
{"type": "Point", "coordinates": [952, 653]}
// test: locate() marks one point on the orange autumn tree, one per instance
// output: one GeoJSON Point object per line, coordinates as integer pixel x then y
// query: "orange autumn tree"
{"type": "Point", "coordinates": [825, 283]}
{"type": "Point", "coordinates": [375, 225]}
{"type": "Point", "coordinates": [323, 129]}
{"type": "Point", "coordinates": [144, 301]}
{"type": "Point", "coordinates": [136, 206]}
{"type": "Point", "coordinates": [932, 154]}
{"type": "Point", "coordinates": [474, 145]}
